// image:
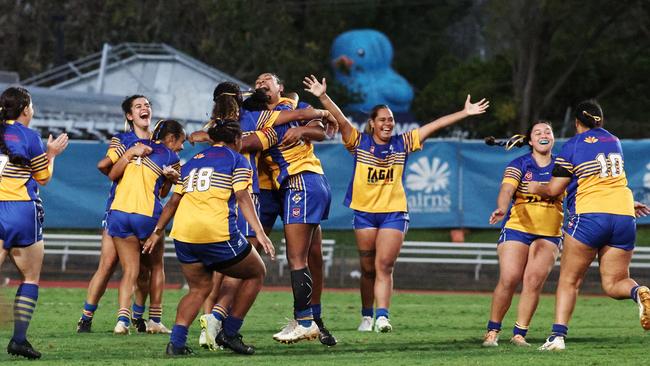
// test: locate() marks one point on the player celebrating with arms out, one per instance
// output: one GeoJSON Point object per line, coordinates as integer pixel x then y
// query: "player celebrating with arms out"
{"type": "Point", "coordinates": [376, 194]}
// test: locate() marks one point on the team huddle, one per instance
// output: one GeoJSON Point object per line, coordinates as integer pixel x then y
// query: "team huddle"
{"type": "Point", "coordinates": [259, 164]}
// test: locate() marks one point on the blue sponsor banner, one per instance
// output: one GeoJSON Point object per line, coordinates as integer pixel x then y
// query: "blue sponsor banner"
{"type": "Point", "coordinates": [448, 184]}
{"type": "Point", "coordinates": [432, 184]}
{"type": "Point", "coordinates": [636, 155]}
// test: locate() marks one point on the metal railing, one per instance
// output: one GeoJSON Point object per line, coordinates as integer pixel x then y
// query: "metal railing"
{"type": "Point", "coordinates": [481, 254]}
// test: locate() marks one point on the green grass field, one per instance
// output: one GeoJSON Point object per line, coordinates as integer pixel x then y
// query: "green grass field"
{"type": "Point", "coordinates": [428, 329]}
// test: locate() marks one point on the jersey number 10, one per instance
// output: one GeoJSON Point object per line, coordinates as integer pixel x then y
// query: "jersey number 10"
{"type": "Point", "coordinates": [615, 166]}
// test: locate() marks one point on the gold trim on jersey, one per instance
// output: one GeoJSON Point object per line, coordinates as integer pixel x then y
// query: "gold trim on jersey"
{"type": "Point", "coordinates": [512, 173]}
{"type": "Point", "coordinates": [564, 164]}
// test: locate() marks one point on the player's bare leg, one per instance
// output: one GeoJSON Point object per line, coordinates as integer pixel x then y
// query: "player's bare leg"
{"type": "Point", "coordinates": [366, 245]}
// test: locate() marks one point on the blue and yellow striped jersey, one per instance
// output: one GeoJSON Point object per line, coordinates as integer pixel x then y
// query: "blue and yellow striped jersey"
{"type": "Point", "coordinates": [207, 212]}
{"type": "Point", "coordinates": [17, 183]}
{"type": "Point", "coordinates": [598, 183]}
{"type": "Point", "coordinates": [119, 143]}
{"type": "Point", "coordinates": [286, 160]}
{"type": "Point", "coordinates": [377, 183]}
{"type": "Point", "coordinates": [264, 172]}
{"type": "Point", "coordinates": [251, 122]}
{"type": "Point", "coordinates": [116, 149]}
{"type": "Point", "coordinates": [529, 212]}
{"type": "Point", "coordinates": [138, 189]}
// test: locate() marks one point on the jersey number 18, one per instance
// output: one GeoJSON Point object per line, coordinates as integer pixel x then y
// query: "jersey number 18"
{"type": "Point", "coordinates": [202, 178]}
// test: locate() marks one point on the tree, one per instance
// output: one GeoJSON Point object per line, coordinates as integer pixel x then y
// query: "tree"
{"type": "Point", "coordinates": [547, 43]}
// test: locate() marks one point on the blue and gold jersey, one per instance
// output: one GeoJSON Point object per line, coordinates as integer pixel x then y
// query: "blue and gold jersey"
{"type": "Point", "coordinates": [251, 122]}
{"type": "Point", "coordinates": [119, 143]}
{"type": "Point", "coordinates": [598, 184]}
{"type": "Point", "coordinates": [377, 183]}
{"type": "Point", "coordinates": [264, 172]}
{"type": "Point", "coordinates": [530, 213]}
{"type": "Point", "coordinates": [116, 149]}
{"type": "Point", "coordinates": [286, 160]}
{"type": "Point", "coordinates": [207, 212]}
{"type": "Point", "coordinates": [18, 183]}
{"type": "Point", "coordinates": [138, 189]}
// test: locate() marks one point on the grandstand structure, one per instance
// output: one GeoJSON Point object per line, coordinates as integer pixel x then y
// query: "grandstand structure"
{"type": "Point", "coordinates": [83, 97]}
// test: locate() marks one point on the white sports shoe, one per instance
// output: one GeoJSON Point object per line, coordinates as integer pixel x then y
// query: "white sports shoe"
{"type": "Point", "coordinates": [157, 328]}
{"type": "Point", "coordinates": [553, 343]}
{"type": "Point", "coordinates": [291, 323]}
{"type": "Point", "coordinates": [366, 324]}
{"type": "Point", "coordinates": [210, 327]}
{"type": "Point", "coordinates": [382, 325]}
{"type": "Point", "coordinates": [121, 328]}
{"type": "Point", "coordinates": [643, 299]}
{"type": "Point", "coordinates": [298, 333]}
{"type": "Point", "coordinates": [491, 339]}
{"type": "Point", "coordinates": [203, 340]}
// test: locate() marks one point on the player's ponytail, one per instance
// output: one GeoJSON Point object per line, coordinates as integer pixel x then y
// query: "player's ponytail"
{"type": "Point", "coordinates": [166, 127]}
{"type": "Point", "coordinates": [517, 140]}
{"type": "Point", "coordinates": [224, 130]}
{"type": "Point", "coordinates": [227, 100]}
{"type": "Point", "coordinates": [590, 114]}
{"type": "Point", "coordinates": [12, 103]}
{"type": "Point", "coordinates": [514, 141]}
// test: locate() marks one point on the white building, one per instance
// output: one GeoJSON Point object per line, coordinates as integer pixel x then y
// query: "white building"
{"type": "Point", "coordinates": [83, 97]}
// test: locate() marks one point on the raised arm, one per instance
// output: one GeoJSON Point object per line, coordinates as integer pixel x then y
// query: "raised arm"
{"type": "Point", "coordinates": [54, 148]}
{"type": "Point", "coordinates": [319, 89]}
{"type": "Point", "coordinates": [470, 109]}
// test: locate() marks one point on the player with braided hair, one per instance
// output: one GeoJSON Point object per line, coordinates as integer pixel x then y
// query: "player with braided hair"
{"type": "Point", "coordinates": [214, 183]}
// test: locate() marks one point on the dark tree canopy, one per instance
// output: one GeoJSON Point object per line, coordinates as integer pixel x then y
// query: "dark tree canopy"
{"type": "Point", "coordinates": [533, 59]}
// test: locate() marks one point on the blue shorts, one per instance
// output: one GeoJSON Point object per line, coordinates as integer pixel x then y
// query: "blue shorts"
{"type": "Point", "coordinates": [598, 230]}
{"type": "Point", "coordinates": [308, 202]}
{"type": "Point", "coordinates": [270, 206]}
{"type": "Point", "coordinates": [389, 220]}
{"type": "Point", "coordinates": [123, 225]}
{"type": "Point", "coordinates": [214, 256]}
{"type": "Point", "coordinates": [242, 224]}
{"type": "Point", "coordinates": [526, 238]}
{"type": "Point", "coordinates": [21, 223]}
